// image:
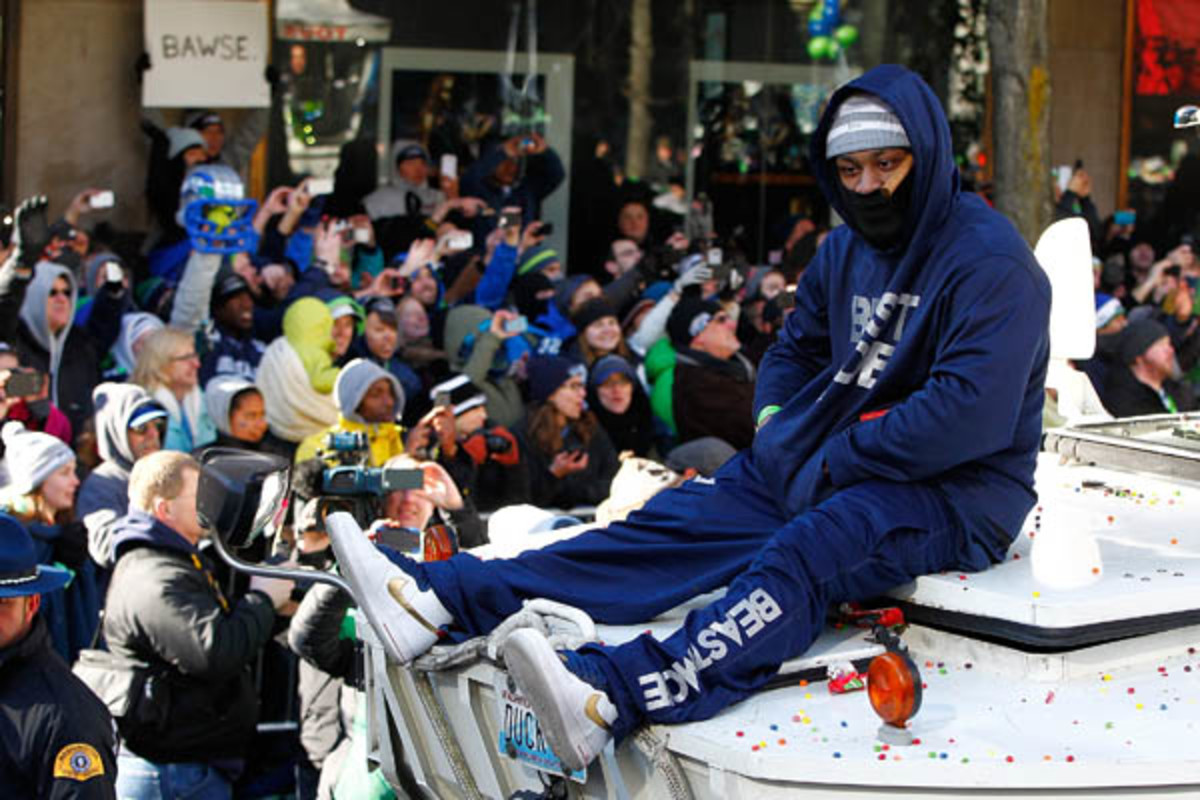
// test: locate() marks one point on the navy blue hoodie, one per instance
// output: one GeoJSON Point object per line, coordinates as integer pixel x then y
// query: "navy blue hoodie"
{"type": "Point", "coordinates": [947, 334]}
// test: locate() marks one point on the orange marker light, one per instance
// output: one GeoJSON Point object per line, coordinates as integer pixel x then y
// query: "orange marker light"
{"type": "Point", "coordinates": [894, 687]}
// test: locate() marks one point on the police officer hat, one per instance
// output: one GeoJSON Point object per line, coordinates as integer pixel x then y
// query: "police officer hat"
{"type": "Point", "coordinates": [20, 573]}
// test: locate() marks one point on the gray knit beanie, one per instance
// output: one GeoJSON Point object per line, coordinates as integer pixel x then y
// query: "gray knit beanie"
{"type": "Point", "coordinates": [864, 122]}
{"type": "Point", "coordinates": [31, 456]}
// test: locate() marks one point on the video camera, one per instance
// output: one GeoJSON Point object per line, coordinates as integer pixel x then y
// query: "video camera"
{"type": "Point", "coordinates": [349, 484]}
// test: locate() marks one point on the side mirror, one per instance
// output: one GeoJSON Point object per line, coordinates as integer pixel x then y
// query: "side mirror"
{"type": "Point", "coordinates": [239, 493]}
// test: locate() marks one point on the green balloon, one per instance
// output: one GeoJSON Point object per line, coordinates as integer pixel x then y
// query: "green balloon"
{"type": "Point", "coordinates": [819, 47]}
{"type": "Point", "coordinates": [815, 14]}
{"type": "Point", "coordinates": [846, 35]}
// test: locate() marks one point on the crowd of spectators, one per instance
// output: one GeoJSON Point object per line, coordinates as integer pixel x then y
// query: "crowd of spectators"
{"type": "Point", "coordinates": [1147, 358]}
{"type": "Point", "coordinates": [427, 321]}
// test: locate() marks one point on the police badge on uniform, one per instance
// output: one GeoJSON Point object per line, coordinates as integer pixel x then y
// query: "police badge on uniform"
{"type": "Point", "coordinates": [78, 762]}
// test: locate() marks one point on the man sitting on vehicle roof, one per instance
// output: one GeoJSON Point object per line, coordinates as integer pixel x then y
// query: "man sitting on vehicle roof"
{"type": "Point", "coordinates": [899, 417]}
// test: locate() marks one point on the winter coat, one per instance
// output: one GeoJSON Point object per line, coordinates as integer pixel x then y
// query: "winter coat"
{"type": "Point", "coordinates": [56, 737]}
{"type": "Point", "coordinates": [714, 397]}
{"type": "Point", "coordinates": [165, 608]}
{"type": "Point", "coordinates": [383, 438]}
{"type": "Point", "coordinates": [505, 405]}
{"type": "Point", "coordinates": [588, 487]}
{"type": "Point", "coordinates": [72, 357]}
{"type": "Point", "coordinates": [104, 496]}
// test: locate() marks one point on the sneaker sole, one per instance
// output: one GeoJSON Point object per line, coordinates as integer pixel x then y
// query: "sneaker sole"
{"type": "Point", "coordinates": [527, 662]}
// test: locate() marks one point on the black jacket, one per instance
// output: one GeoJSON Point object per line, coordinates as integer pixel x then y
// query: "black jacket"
{"type": "Point", "coordinates": [1125, 396]}
{"type": "Point", "coordinates": [327, 662]}
{"type": "Point", "coordinates": [588, 487]}
{"type": "Point", "coordinates": [714, 397]}
{"type": "Point", "coordinates": [56, 737]}
{"type": "Point", "coordinates": [163, 608]}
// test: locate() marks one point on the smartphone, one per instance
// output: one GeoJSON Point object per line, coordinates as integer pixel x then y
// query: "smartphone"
{"type": "Point", "coordinates": [442, 399]}
{"type": "Point", "coordinates": [113, 272]}
{"type": "Point", "coordinates": [449, 166]}
{"type": "Point", "coordinates": [362, 235]}
{"type": "Point", "coordinates": [104, 199]}
{"type": "Point", "coordinates": [714, 257]}
{"type": "Point", "coordinates": [518, 325]}
{"type": "Point", "coordinates": [318, 186]}
{"type": "Point", "coordinates": [460, 240]}
{"type": "Point", "coordinates": [546, 229]}
{"type": "Point", "coordinates": [23, 383]}
{"type": "Point", "coordinates": [1125, 217]}
{"type": "Point", "coordinates": [508, 219]}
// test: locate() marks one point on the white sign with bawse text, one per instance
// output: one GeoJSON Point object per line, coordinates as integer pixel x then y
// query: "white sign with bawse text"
{"type": "Point", "coordinates": [206, 54]}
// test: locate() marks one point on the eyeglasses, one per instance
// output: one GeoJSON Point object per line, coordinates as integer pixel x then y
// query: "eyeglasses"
{"type": "Point", "coordinates": [192, 356]}
{"type": "Point", "coordinates": [59, 293]}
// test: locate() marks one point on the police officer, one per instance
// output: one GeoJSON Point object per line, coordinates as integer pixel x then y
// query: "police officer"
{"type": "Point", "coordinates": [56, 737]}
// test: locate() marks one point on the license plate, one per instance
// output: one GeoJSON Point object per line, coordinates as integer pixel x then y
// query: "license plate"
{"type": "Point", "coordinates": [521, 736]}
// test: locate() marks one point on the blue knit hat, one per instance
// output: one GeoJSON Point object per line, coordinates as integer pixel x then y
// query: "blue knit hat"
{"type": "Point", "coordinates": [546, 374]}
{"type": "Point", "coordinates": [537, 258]}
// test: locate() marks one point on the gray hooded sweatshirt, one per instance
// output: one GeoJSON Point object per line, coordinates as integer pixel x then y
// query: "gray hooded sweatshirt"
{"type": "Point", "coordinates": [33, 314]}
{"type": "Point", "coordinates": [104, 496]}
{"type": "Point", "coordinates": [353, 382]}
{"type": "Point", "coordinates": [392, 200]}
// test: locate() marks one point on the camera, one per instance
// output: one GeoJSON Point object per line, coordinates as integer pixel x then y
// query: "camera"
{"type": "Point", "coordinates": [495, 443]}
{"type": "Point", "coordinates": [350, 485]}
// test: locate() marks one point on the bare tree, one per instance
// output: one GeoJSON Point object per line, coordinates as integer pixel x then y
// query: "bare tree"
{"type": "Point", "coordinates": [1017, 38]}
{"type": "Point", "coordinates": [641, 55]}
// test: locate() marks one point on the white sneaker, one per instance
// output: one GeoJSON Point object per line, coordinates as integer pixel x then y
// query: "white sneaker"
{"type": "Point", "coordinates": [575, 716]}
{"type": "Point", "coordinates": [405, 619]}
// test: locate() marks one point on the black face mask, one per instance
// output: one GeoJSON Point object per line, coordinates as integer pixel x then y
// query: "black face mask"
{"type": "Point", "coordinates": [879, 218]}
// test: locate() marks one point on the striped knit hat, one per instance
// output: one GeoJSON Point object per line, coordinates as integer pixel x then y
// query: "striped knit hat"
{"type": "Point", "coordinates": [864, 122]}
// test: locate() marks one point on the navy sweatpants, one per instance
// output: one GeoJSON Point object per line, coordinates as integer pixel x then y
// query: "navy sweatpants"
{"type": "Point", "coordinates": [782, 572]}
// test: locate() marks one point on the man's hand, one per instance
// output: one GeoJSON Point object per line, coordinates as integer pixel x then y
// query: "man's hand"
{"type": "Point", "coordinates": [327, 246]}
{"type": "Point", "coordinates": [298, 202]}
{"type": "Point", "coordinates": [532, 236]}
{"type": "Point", "coordinates": [568, 463]}
{"type": "Point", "coordinates": [694, 276]}
{"type": "Point", "coordinates": [442, 419]}
{"type": "Point", "coordinates": [439, 487]}
{"type": "Point", "coordinates": [80, 204]}
{"type": "Point", "coordinates": [496, 328]}
{"type": "Point", "coordinates": [31, 231]}
{"type": "Point", "coordinates": [278, 589]}
{"type": "Point", "coordinates": [420, 253]}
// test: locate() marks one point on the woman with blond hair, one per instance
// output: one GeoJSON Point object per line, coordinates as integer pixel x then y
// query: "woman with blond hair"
{"type": "Point", "coordinates": [41, 496]}
{"type": "Point", "coordinates": [169, 369]}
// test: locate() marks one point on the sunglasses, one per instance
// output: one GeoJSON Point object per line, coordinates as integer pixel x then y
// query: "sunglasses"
{"type": "Point", "coordinates": [60, 293]}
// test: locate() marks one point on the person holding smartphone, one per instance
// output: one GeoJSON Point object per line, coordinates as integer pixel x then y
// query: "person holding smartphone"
{"type": "Point", "coordinates": [570, 458]}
